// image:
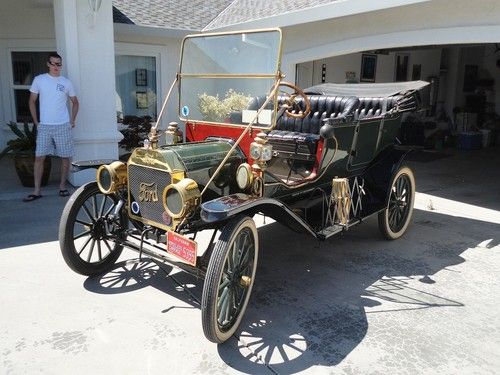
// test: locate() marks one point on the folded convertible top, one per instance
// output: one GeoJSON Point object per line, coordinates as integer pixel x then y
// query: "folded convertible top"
{"type": "Point", "coordinates": [380, 90]}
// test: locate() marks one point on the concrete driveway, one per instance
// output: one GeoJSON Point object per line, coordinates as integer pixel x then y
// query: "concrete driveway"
{"type": "Point", "coordinates": [426, 303]}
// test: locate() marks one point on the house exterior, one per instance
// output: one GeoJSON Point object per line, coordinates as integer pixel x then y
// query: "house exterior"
{"type": "Point", "coordinates": [123, 55]}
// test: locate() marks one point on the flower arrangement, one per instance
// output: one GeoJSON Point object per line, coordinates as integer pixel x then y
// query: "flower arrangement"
{"type": "Point", "coordinates": [214, 109]}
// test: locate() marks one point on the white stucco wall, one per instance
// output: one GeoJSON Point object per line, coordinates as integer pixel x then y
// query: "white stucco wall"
{"type": "Point", "coordinates": [25, 19]}
{"type": "Point", "coordinates": [25, 25]}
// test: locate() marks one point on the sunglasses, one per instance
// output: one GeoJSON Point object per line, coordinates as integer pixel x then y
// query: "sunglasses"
{"type": "Point", "coordinates": [55, 64]}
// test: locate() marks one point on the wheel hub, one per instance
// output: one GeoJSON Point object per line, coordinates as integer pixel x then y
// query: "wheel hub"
{"type": "Point", "coordinates": [245, 281]}
{"type": "Point", "coordinates": [99, 228]}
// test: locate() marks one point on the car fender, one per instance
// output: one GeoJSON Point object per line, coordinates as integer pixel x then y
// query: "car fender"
{"type": "Point", "coordinates": [224, 208]}
{"type": "Point", "coordinates": [381, 172]}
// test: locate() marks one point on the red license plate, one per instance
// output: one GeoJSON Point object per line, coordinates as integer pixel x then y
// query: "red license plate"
{"type": "Point", "coordinates": [182, 247]}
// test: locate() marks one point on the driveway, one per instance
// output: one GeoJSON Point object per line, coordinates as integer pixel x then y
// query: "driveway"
{"type": "Point", "coordinates": [426, 303]}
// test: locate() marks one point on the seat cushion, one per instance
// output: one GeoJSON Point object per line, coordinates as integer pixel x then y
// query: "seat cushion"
{"type": "Point", "coordinates": [293, 144]}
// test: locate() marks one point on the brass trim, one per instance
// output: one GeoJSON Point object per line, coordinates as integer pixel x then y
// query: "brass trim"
{"type": "Point", "coordinates": [249, 180]}
{"type": "Point", "coordinates": [190, 197]}
{"type": "Point", "coordinates": [226, 75]}
{"type": "Point", "coordinates": [277, 76]}
{"type": "Point", "coordinates": [220, 33]}
{"type": "Point", "coordinates": [118, 174]}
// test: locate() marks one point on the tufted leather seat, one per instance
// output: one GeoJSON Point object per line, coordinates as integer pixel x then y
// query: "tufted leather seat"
{"type": "Point", "coordinates": [374, 107]}
{"type": "Point", "coordinates": [299, 136]}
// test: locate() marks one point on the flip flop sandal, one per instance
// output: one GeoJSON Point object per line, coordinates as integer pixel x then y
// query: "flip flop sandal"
{"type": "Point", "coordinates": [64, 193]}
{"type": "Point", "coordinates": [31, 197]}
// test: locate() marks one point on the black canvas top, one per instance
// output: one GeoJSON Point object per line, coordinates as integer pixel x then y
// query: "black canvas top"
{"type": "Point", "coordinates": [379, 90]}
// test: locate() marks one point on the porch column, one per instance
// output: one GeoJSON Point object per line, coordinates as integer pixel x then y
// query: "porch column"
{"type": "Point", "coordinates": [86, 43]}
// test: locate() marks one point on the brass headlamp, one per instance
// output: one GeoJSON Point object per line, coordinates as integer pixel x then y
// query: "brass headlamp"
{"type": "Point", "coordinates": [181, 198]}
{"type": "Point", "coordinates": [111, 177]}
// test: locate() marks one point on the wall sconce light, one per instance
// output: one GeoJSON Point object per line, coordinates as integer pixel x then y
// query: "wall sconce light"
{"type": "Point", "coordinates": [94, 6]}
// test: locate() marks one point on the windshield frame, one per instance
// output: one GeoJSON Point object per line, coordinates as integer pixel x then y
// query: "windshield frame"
{"type": "Point", "coordinates": [273, 77]}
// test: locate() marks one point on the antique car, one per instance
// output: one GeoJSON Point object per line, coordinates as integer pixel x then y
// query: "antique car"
{"type": "Point", "coordinates": [318, 161]}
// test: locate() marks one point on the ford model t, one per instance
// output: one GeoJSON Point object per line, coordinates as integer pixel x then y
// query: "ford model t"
{"type": "Point", "coordinates": [318, 160]}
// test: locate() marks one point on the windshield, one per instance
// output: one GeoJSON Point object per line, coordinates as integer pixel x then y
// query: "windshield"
{"type": "Point", "coordinates": [224, 78]}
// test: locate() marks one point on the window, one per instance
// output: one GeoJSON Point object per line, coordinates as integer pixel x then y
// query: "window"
{"type": "Point", "coordinates": [25, 66]}
{"type": "Point", "coordinates": [401, 67]}
{"type": "Point", "coordinates": [135, 87]}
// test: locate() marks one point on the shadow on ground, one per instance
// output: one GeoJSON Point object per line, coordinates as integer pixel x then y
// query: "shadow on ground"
{"type": "Point", "coordinates": [310, 300]}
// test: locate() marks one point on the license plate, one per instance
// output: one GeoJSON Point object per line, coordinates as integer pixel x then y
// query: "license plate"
{"type": "Point", "coordinates": [181, 247]}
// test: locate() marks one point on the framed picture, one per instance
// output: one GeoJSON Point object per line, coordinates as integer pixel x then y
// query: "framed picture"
{"type": "Point", "coordinates": [470, 78]}
{"type": "Point", "coordinates": [416, 72]}
{"type": "Point", "coordinates": [368, 67]}
{"type": "Point", "coordinates": [141, 100]}
{"type": "Point", "coordinates": [141, 77]}
{"type": "Point", "coordinates": [401, 67]}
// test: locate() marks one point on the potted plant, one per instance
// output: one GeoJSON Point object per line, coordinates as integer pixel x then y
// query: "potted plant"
{"type": "Point", "coordinates": [22, 147]}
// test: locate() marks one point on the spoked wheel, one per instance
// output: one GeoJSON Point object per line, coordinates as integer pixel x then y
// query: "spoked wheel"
{"type": "Point", "coordinates": [394, 220]}
{"type": "Point", "coordinates": [87, 233]}
{"type": "Point", "coordinates": [229, 279]}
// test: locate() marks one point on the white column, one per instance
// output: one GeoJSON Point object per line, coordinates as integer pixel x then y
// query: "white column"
{"type": "Point", "coordinates": [86, 43]}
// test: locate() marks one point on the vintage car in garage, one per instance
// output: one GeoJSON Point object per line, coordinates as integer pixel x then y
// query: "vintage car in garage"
{"type": "Point", "coordinates": [318, 160]}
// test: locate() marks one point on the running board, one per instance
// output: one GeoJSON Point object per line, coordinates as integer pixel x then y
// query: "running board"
{"type": "Point", "coordinates": [334, 229]}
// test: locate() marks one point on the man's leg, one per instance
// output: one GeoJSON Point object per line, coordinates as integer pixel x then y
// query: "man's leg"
{"type": "Point", "coordinates": [64, 172]}
{"type": "Point", "coordinates": [64, 149]}
{"type": "Point", "coordinates": [38, 172]}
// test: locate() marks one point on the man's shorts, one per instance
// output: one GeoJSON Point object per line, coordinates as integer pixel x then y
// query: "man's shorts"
{"type": "Point", "coordinates": [54, 140]}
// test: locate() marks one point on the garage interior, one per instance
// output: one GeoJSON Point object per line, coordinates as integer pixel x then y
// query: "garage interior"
{"type": "Point", "coordinates": [464, 102]}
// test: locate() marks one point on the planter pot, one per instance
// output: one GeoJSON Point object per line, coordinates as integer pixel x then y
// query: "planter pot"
{"type": "Point", "coordinates": [25, 167]}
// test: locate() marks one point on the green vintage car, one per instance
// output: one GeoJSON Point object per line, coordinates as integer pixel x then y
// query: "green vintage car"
{"type": "Point", "coordinates": [318, 160]}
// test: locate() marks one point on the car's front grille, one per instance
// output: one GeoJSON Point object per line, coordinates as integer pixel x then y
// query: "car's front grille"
{"type": "Point", "coordinates": [146, 186]}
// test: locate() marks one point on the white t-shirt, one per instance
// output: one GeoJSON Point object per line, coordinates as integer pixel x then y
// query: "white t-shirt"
{"type": "Point", "coordinates": [53, 95]}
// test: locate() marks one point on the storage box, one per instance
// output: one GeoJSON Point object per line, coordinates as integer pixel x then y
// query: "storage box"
{"type": "Point", "coordinates": [470, 141]}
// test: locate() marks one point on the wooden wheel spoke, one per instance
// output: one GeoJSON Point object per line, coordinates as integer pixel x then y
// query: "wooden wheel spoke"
{"type": "Point", "coordinates": [224, 283]}
{"type": "Point", "coordinates": [103, 204]}
{"type": "Point", "coordinates": [244, 258]}
{"type": "Point", "coordinates": [91, 250]}
{"type": "Point", "coordinates": [85, 223]}
{"type": "Point", "coordinates": [87, 211]}
{"type": "Point", "coordinates": [83, 234]}
{"type": "Point", "coordinates": [222, 297]}
{"type": "Point", "coordinates": [99, 252]}
{"type": "Point", "coordinates": [107, 245]}
{"type": "Point", "coordinates": [224, 305]}
{"type": "Point", "coordinates": [84, 245]}
{"type": "Point", "coordinates": [111, 207]}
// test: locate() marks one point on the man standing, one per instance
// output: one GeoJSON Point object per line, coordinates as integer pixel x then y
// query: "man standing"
{"type": "Point", "coordinates": [54, 130]}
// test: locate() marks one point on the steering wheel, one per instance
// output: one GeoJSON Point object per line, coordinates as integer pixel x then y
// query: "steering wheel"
{"type": "Point", "coordinates": [290, 99]}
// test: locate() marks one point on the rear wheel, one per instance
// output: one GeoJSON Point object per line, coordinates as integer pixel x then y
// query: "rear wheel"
{"type": "Point", "coordinates": [88, 233]}
{"type": "Point", "coordinates": [394, 220]}
{"type": "Point", "coordinates": [229, 279]}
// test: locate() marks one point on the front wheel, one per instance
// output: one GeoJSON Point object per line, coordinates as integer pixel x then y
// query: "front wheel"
{"type": "Point", "coordinates": [229, 279]}
{"type": "Point", "coordinates": [88, 233]}
{"type": "Point", "coordinates": [394, 220]}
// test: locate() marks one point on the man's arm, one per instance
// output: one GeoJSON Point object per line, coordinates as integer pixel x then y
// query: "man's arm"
{"type": "Point", "coordinates": [75, 105]}
{"type": "Point", "coordinates": [32, 106]}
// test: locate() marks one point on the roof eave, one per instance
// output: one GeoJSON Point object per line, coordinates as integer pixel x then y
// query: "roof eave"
{"type": "Point", "coordinates": [151, 31]}
{"type": "Point", "coordinates": [337, 9]}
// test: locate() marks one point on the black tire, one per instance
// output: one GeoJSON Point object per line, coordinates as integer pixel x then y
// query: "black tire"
{"type": "Point", "coordinates": [229, 279]}
{"type": "Point", "coordinates": [394, 220]}
{"type": "Point", "coordinates": [87, 245]}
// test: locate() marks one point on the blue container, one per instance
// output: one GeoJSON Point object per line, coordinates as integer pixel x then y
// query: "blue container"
{"type": "Point", "coordinates": [470, 141]}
